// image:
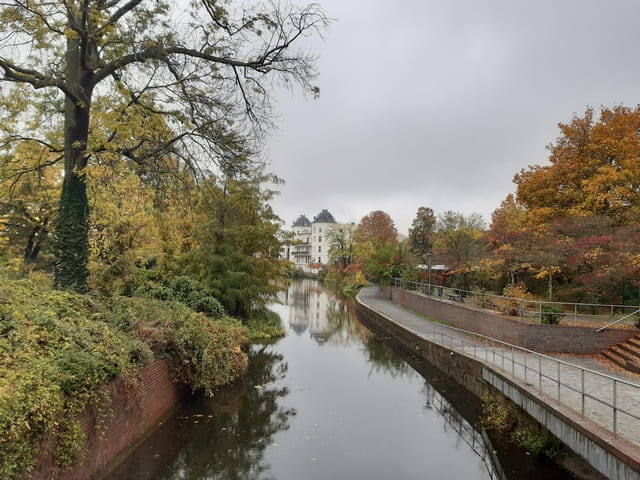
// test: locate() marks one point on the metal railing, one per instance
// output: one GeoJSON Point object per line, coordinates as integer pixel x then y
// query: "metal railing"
{"type": "Point", "coordinates": [609, 401]}
{"type": "Point", "coordinates": [617, 321]}
{"type": "Point", "coordinates": [476, 439]}
{"type": "Point", "coordinates": [539, 311]}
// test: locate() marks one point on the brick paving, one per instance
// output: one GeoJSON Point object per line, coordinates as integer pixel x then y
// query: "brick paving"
{"type": "Point", "coordinates": [537, 371]}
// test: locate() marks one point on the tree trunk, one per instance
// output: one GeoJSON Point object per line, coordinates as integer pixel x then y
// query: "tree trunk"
{"type": "Point", "coordinates": [72, 227]}
{"type": "Point", "coordinates": [32, 248]}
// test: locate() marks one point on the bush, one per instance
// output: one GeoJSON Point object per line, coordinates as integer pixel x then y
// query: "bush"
{"type": "Point", "coordinates": [58, 350]}
{"type": "Point", "coordinates": [346, 282]}
{"type": "Point", "coordinates": [551, 315]}
{"type": "Point", "coordinates": [208, 305]}
{"type": "Point", "coordinates": [188, 291]}
{"type": "Point", "coordinates": [539, 442]}
{"type": "Point", "coordinates": [515, 293]}
{"type": "Point", "coordinates": [264, 326]}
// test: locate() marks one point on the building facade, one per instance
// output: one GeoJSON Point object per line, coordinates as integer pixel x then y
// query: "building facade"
{"type": "Point", "coordinates": [310, 244]}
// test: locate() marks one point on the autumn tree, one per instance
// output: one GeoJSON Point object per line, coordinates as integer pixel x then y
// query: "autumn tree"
{"type": "Point", "coordinates": [596, 255]}
{"type": "Point", "coordinates": [206, 69]}
{"type": "Point", "coordinates": [461, 238]}
{"type": "Point", "coordinates": [376, 247]}
{"type": "Point", "coordinates": [509, 236]}
{"type": "Point", "coordinates": [593, 171]}
{"type": "Point", "coordinates": [377, 227]}
{"type": "Point", "coordinates": [422, 232]}
{"type": "Point", "coordinates": [341, 239]}
{"type": "Point", "coordinates": [28, 200]}
{"type": "Point", "coordinates": [236, 251]}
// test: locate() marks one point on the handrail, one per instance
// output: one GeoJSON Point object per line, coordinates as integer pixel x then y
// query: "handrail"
{"type": "Point", "coordinates": [619, 320]}
{"type": "Point", "coordinates": [532, 308]}
{"type": "Point", "coordinates": [537, 354]}
{"type": "Point", "coordinates": [548, 370]}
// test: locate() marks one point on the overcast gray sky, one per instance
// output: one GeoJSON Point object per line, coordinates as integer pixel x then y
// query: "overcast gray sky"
{"type": "Point", "coordinates": [440, 102]}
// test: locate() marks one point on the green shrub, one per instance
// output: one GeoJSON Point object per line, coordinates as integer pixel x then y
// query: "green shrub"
{"type": "Point", "coordinates": [58, 351]}
{"type": "Point", "coordinates": [209, 354]}
{"type": "Point", "coordinates": [188, 291]}
{"type": "Point", "coordinates": [264, 326]}
{"type": "Point", "coordinates": [208, 305]}
{"type": "Point", "coordinates": [537, 441]}
{"type": "Point", "coordinates": [551, 315]}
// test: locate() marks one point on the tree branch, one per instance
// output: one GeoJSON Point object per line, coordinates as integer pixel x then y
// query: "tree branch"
{"type": "Point", "coordinates": [14, 73]}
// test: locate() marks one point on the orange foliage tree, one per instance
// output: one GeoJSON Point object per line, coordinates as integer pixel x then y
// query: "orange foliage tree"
{"type": "Point", "coordinates": [594, 169]}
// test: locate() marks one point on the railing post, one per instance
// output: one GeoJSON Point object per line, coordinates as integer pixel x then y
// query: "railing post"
{"type": "Point", "coordinates": [615, 407]}
{"type": "Point", "coordinates": [575, 312]}
{"type": "Point", "coordinates": [521, 309]}
{"type": "Point", "coordinates": [540, 373]}
{"type": "Point", "coordinates": [539, 312]}
{"type": "Point", "coordinates": [558, 363]}
{"type": "Point", "coordinates": [582, 391]}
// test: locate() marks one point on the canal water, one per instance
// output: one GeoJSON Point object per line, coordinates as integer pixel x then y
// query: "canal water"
{"type": "Point", "coordinates": [331, 400]}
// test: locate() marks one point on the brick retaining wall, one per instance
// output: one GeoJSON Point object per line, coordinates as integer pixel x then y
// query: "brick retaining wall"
{"type": "Point", "coordinates": [536, 337]}
{"type": "Point", "coordinates": [135, 411]}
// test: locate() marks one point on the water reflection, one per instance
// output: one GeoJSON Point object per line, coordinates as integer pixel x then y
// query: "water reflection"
{"type": "Point", "coordinates": [225, 437]}
{"type": "Point", "coordinates": [383, 359]}
{"type": "Point", "coordinates": [326, 317]}
{"type": "Point", "coordinates": [331, 400]}
{"type": "Point", "coordinates": [477, 440]}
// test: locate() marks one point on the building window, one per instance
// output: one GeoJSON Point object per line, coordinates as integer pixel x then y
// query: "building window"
{"type": "Point", "coordinates": [319, 259]}
{"type": "Point", "coordinates": [319, 238]}
{"type": "Point", "coordinates": [319, 229]}
{"type": "Point", "coordinates": [319, 248]}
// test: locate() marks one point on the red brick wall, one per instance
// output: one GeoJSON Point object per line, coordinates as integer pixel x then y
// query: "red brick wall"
{"type": "Point", "coordinates": [537, 337]}
{"type": "Point", "coordinates": [135, 411]}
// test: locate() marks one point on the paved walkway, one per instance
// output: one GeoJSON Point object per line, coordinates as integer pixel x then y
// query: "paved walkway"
{"type": "Point", "coordinates": [584, 385]}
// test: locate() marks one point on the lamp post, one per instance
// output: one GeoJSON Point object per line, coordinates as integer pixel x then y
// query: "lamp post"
{"type": "Point", "coordinates": [429, 253]}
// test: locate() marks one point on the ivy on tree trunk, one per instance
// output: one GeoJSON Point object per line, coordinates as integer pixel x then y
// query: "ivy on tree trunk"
{"type": "Point", "coordinates": [72, 227]}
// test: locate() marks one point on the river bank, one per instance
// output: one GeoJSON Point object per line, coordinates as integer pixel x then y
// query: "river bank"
{"type": "Point", "coordinates": [330, 400]}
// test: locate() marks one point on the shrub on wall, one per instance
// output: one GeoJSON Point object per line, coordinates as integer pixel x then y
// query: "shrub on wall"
{"type": "Point", "coordinates": [59, 350]}
{"type": "Point", "coordinates": [550, 315]}
{"type": "Point", "coordinates": [514, 293]}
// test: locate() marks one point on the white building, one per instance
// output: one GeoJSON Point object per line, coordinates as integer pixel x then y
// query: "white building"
{"type": "Point", "coordinates": [310, 245]}
{"type": "Point", "coordinates": [300, 248]}
{"type": "Point", "coordinates": [320, 244]}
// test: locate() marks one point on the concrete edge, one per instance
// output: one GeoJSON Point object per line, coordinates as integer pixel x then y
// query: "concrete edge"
{"type": "Point", "coordinates": [595, 436]}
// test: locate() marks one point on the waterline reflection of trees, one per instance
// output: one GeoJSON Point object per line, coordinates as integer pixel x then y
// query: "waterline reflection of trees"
{"type": "Point", "coordinates": [237, 427]}
{"type": "Point", "coordinates": [384, 360]}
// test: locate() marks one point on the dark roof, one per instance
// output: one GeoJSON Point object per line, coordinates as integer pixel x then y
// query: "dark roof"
{"type": "Point", "coordinates": [324, 217]}
{"type": "Point", "coordinates": [302, 221]}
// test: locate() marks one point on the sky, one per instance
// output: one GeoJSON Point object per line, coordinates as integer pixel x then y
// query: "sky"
{"type": "Point", "coordinates": [440, 103]}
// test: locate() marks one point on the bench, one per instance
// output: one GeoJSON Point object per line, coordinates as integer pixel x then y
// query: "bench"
{"type": "Point", "coordinates": [454, 297]}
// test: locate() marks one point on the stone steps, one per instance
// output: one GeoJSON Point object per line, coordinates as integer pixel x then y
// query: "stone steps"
{"type": "Point", "coordinates": [626, 354]}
